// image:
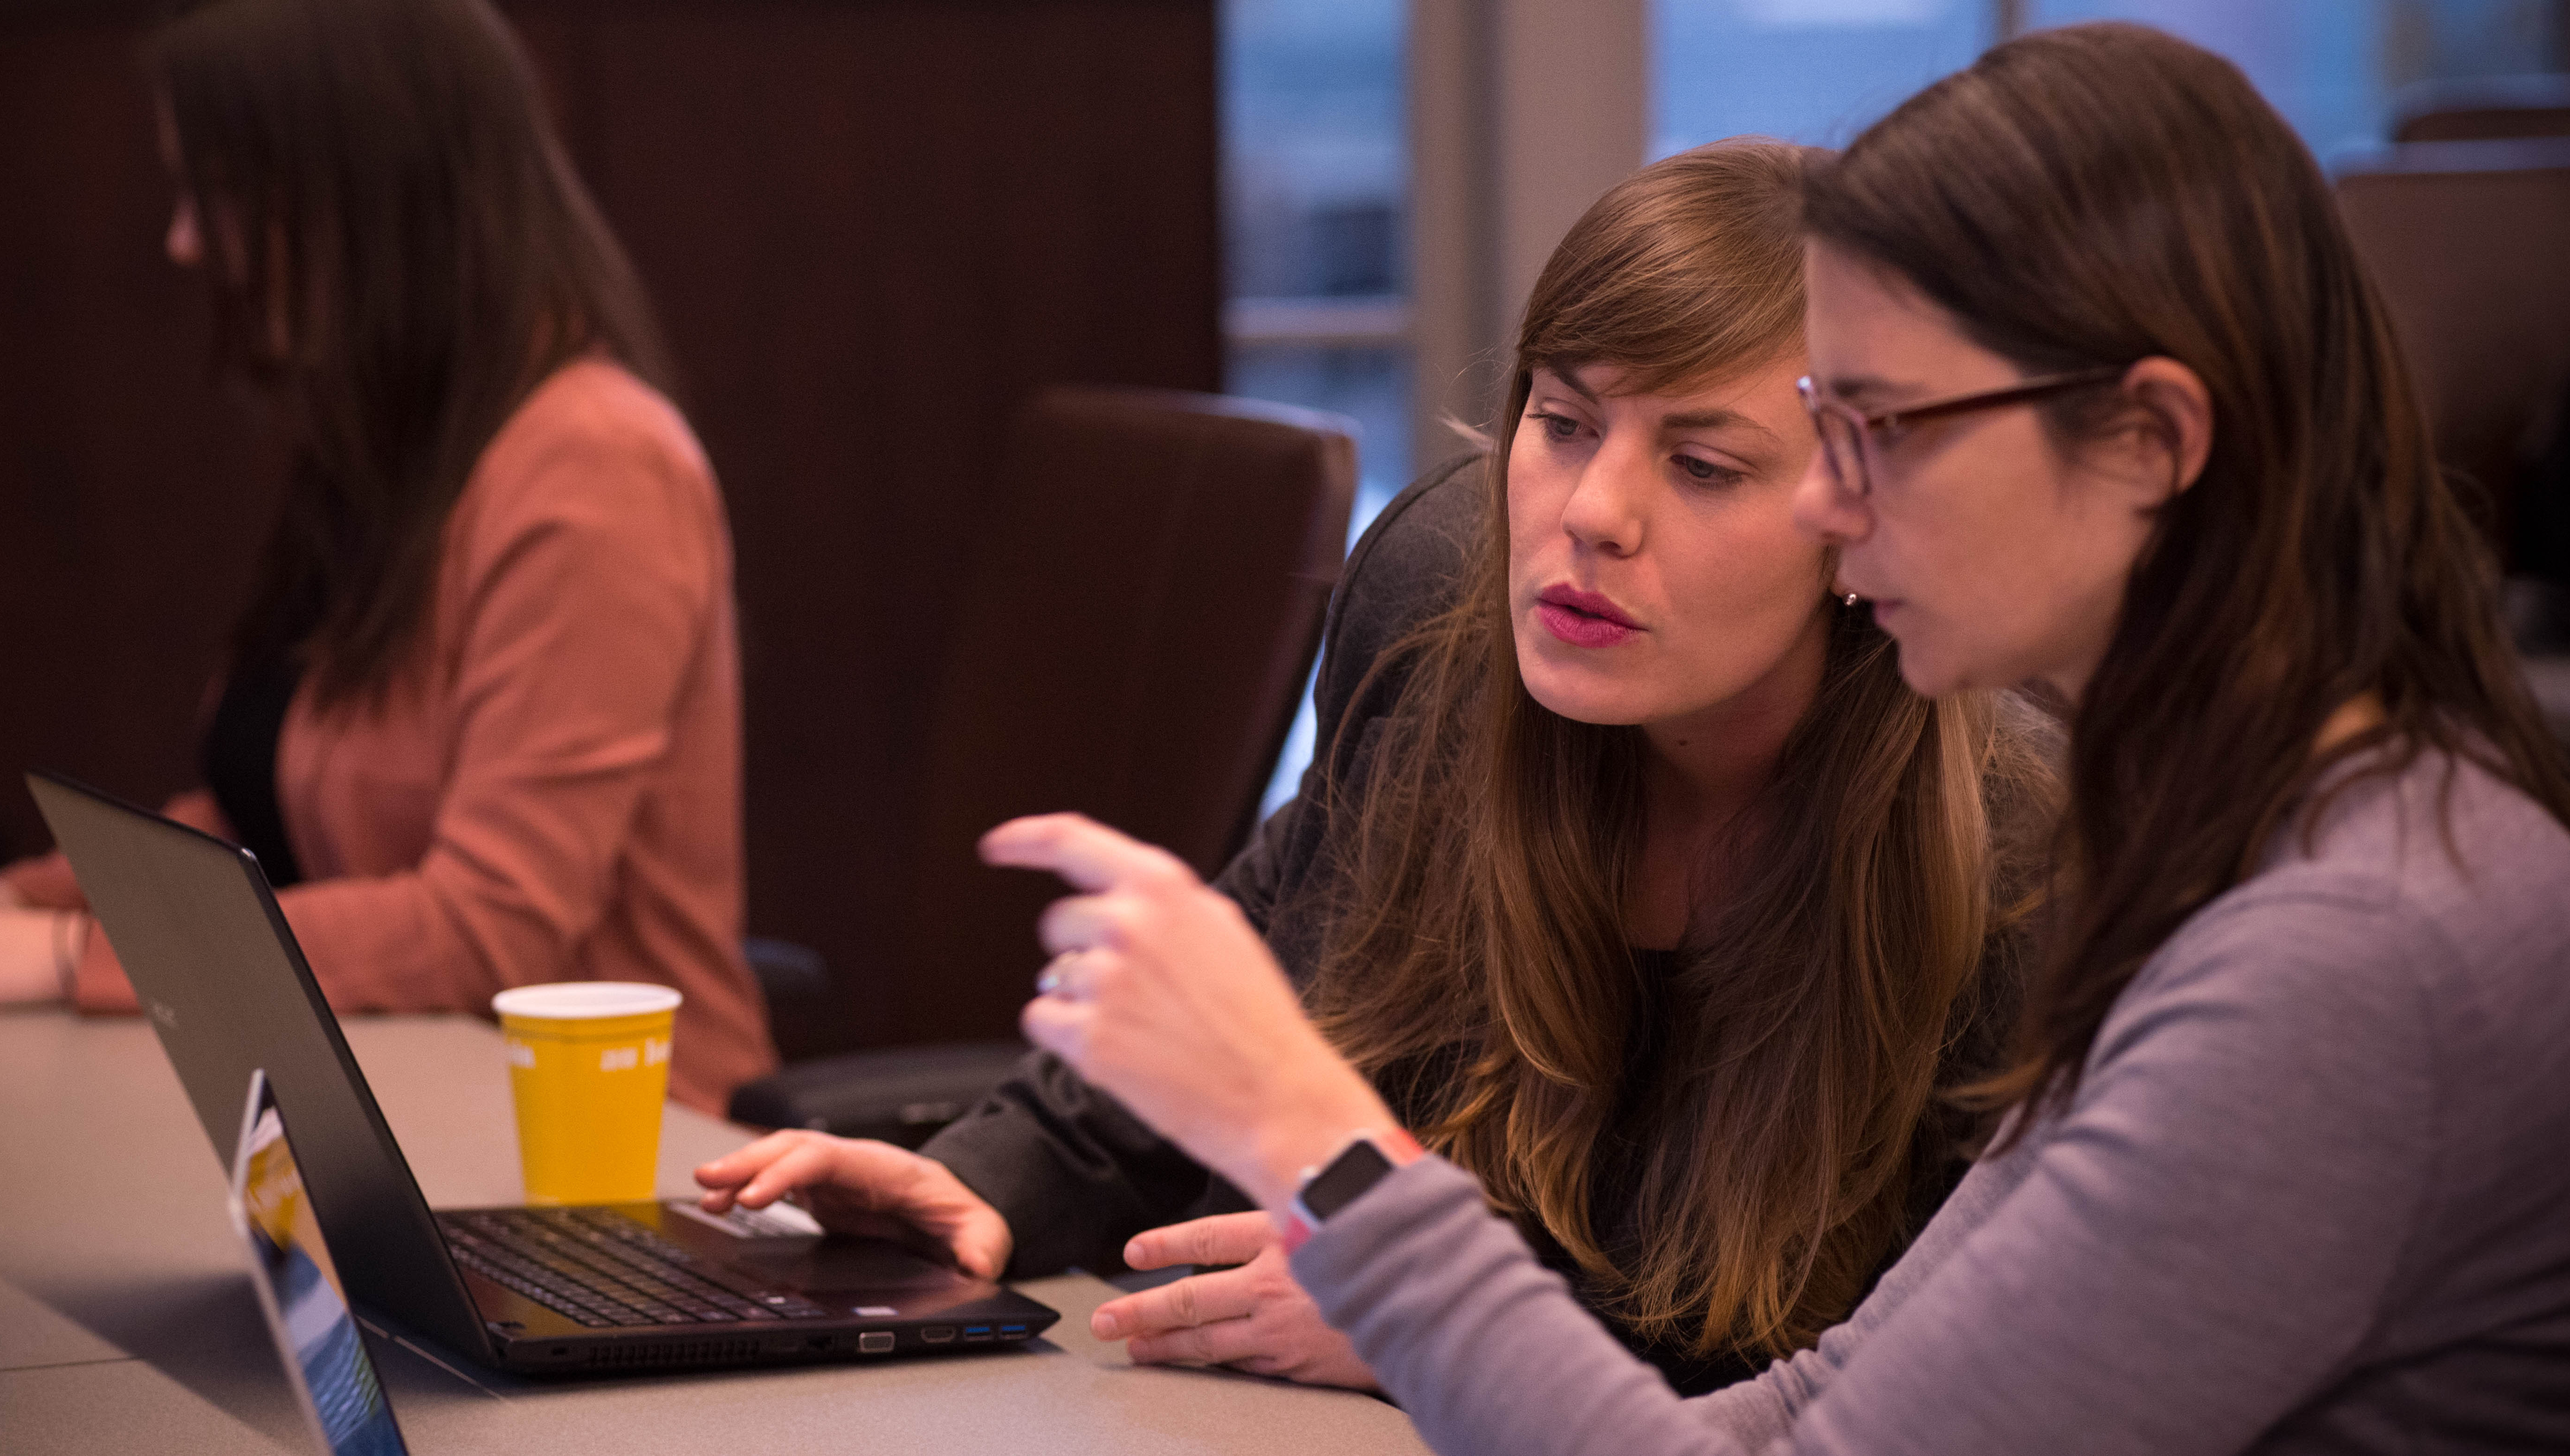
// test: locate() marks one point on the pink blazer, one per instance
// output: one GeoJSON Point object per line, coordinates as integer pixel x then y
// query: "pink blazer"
{"type": "Point", "coordinates": [553, 791]}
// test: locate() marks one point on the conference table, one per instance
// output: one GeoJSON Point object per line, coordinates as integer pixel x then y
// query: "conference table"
{"type": "Point", "coordinates": [128, 1324]}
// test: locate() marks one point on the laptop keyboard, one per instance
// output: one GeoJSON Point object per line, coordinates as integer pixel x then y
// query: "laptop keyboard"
{"type": "Point", "coordinates": [603, 1269]}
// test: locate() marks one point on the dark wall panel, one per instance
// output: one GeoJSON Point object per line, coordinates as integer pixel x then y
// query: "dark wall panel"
{"type": "Point", "coordinates": [131, 495]}
{"type": "Point", "coordinates": [871, 230]}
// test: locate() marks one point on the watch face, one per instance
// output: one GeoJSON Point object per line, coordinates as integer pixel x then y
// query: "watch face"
{"type": "Point", "coordinates": [1351, 1173]}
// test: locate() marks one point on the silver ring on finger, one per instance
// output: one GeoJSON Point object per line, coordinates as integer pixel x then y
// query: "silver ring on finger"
{"type": "Point", "coordinates": [1059, 976]}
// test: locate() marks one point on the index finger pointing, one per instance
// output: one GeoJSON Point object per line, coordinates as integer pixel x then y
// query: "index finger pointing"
{"type": "Point", "coordinates": [1079, 849]}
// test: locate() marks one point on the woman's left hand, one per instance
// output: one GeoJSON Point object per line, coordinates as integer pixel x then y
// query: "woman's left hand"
{"type": "Point", "coordinates": [1160, 992]}
{"type": "Point", "coordinates": [1247, 1312]}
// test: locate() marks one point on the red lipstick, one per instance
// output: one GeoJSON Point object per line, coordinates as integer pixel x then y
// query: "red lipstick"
{"type": "Point", "coordinates": [1585, 618]}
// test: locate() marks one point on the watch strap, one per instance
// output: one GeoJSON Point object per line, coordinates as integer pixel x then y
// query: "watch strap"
{"type": "Point", "coordinates": [1366, 1159]}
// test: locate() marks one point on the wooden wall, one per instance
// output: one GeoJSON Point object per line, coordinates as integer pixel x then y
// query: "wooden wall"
{"type": "Point", "coordinates": [871, 228]}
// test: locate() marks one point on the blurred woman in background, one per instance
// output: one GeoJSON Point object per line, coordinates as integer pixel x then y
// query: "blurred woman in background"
{"type": "Point", "coordinates": [481, 717]}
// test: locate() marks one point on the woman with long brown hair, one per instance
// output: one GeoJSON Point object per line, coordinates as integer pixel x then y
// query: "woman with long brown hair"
{"type": "Point", "coordinates": [1633, 875]}
{"type": "Point", "coordinates": [480, 718]}
{"type": "Point", "coordinates": [2106, 401]}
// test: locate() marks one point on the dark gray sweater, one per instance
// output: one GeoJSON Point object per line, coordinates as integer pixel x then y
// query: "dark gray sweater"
{"type": "Point", "coordinates": [2314, 1194]}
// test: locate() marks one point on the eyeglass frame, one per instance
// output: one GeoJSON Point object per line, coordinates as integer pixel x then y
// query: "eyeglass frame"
{"type": "Point", "coordinates": [1869, 427]}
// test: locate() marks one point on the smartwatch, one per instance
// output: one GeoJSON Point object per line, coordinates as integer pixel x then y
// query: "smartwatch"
{"type": "Point", "coordinates": [1358, 1166]}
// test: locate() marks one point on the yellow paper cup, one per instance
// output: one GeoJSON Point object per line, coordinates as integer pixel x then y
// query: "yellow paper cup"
{"type": "Point", "coordinates": [589, 1064]}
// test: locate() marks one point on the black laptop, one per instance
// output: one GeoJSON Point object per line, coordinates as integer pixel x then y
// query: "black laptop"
{"type": "Point", "coordinates": [617, 1287]}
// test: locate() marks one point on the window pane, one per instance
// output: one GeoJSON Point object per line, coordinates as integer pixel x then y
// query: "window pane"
{"type": "Point", "coordinates": [1818, 71]}
{"type": "Point", "coordinates": [1810, 71]}
{"type": "Point", "coordinates": [1316, 196]}
{"type": "Point", "coordinates": [2333, 66]}
{"type": "Point", "coordinates": [2318, 62]}
{"type": "Point", "coordinates": [1315, 165]}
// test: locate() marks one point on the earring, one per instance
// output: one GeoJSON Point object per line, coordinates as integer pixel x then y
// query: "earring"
{"type": "Point", "coordinates": [1850, 598]}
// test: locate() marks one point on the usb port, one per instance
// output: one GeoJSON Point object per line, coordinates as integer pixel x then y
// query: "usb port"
{"type": "Point", "coordinates": [1013, 1332]}
{"type": "Point", "coordinates": [977, 1331]}
{"type": "Point", "coordinates": [938, 1334]}
{"type": "Point", "coordinates": [875, 1343]}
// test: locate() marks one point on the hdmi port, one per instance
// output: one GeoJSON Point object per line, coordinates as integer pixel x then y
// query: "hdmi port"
{"type": "Point", "coordinates": [938, 1334]}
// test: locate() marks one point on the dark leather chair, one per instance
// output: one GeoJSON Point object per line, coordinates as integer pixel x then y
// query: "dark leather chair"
{"type": "Point", "coordinates": [2469, 240]}
{"type": "Point", "coordinates": [2487, 109]}
{"type": "Point", "coordinates": [1142, 605]}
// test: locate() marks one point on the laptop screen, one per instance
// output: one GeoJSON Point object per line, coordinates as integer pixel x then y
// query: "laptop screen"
{"type": "Point", "coordinates": [300, 1290]}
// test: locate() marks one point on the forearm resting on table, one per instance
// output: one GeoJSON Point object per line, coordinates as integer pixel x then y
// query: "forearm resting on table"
{"type": "Point", "coordinates": [39, 949]}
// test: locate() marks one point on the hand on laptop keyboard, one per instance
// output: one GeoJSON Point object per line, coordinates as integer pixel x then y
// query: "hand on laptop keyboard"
{"type": "Point", "coordinates": [858, 1185]}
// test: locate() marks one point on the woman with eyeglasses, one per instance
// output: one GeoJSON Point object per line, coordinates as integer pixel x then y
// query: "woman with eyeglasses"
{"type": "Point", "coordinates": [2107, 402]}
{"type": "Point", "coordinates": [1629, 870]}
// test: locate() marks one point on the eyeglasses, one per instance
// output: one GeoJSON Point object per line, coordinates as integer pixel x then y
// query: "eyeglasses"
{"type": "Point", "coordinates": [1850, 437]}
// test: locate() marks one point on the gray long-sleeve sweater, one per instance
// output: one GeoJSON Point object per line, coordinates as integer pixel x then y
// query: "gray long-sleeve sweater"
{"type": "Point", "coordinates": [2313, 1194]}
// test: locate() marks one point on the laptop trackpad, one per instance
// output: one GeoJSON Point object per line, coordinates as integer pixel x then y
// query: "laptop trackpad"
{"type": "Point", "coordinates": [774, 1246]}
{"type": "Point", "coordinates": [814, 1266]}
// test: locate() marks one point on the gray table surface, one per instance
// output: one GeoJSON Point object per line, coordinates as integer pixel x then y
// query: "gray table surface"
{"type": "Point", "coordinates": [127, 1322]}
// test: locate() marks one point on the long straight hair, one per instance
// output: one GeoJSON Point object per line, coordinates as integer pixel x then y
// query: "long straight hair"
{"type": "Point", "coordinates": [399, 251]}
{"type": "Point", "coordinates": [1479, 968]}
{"type": "Point", "coordinates": [2103, 194]}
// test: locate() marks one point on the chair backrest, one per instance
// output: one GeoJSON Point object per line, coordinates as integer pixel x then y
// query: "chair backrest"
{"type": "Point", "coordinates": [1145, 597]}
{"type": "Point", "coordinates": [2470, 242]}
{"type": "Point", "coordinates": [2482, 110]}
